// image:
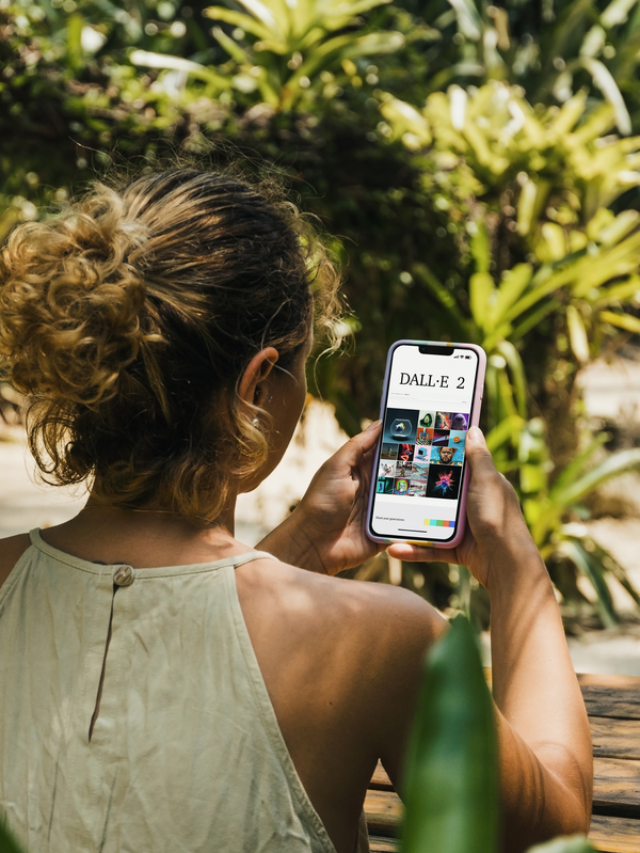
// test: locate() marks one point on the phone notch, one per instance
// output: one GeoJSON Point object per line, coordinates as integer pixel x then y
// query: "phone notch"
{"type": "Point", "coordinates": [436, 349]}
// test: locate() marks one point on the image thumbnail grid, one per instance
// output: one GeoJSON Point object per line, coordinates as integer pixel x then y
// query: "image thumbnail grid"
{"type": "Point", "coordinates": [422, 453]}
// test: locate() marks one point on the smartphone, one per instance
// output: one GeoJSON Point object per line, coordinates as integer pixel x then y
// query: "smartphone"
{"type": "Point", "coordinates": [432, 395]}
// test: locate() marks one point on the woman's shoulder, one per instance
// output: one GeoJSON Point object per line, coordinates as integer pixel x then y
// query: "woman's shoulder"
{"type": "Point", "coordinates": [362, 614]}
{"type": "Point", "coordinates": [11, 549]}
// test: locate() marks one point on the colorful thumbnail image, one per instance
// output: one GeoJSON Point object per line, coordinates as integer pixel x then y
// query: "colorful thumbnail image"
{"type": "Point", "coordinates": [400, 425]}
{"type": "Point", "coordinates": [427, 420]}
{"type": "Point", "coordinates": [389, 451]}
{"type": "Point", "coordinates": [443, 482]}
{"type": "Point", "coordinates": [405, 452]}
{"type": "Point", "coordinates": [403, 468]}
{"type": "Point", "coordinates": [440, 437]}
{"type": "Point", "coordinates": [443, 455]}
{"type": "Point", "coordinates": [385, 486]}
{"type": "Point", "coordinates": [419, 470]}
{"type": "Point", "coordinates": [459, 420]}
{"type": "Point", "coordinates": [421, 453]}
{"type": "Point", "coordinates": [443, 420]}
{"type": "Point", "coordinates": [424, 436]}
{"type": "Point", "coordinates": [387, 468]}
{"type": "Point", "coordinates": [401, 486]}
{"type": "Point", "coordinates": [456, 441]}
{"type": "Point", "coordinates": [453, 454]}
{"type": "Point", "coordinates": [418, 488]}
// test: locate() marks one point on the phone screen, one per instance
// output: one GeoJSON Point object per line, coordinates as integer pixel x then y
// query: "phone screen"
{"type": "Point", "coordinates": [430, 395]}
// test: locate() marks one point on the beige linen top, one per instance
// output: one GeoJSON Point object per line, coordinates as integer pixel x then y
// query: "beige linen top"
{"type": "Point", "coordinates": [185, 755]}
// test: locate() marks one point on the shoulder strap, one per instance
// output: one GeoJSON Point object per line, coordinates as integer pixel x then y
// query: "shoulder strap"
{"type": "Point", "coordinates": [241, 559]}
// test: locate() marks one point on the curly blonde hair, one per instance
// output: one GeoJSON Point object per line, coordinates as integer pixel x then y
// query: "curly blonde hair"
{"type": "Point", "coordinates": [129, 319]}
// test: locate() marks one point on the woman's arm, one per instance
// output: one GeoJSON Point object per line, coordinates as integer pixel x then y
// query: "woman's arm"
{"type": "Point", "coordinates": [544, 738]}
{"type": "Point", "coordinates": [326, 531]}
{"type": "Point", "coordinates": [545, 745]}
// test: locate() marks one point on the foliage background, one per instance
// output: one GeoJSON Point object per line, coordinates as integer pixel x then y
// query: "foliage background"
{"type": "Point", "coordinates": [475, 166]}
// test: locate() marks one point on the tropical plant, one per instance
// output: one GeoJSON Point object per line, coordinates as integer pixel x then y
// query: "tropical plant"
{"type": "Point", "coordinates": [291, 49]}
{"type": "Point", "coordinates": [478, 214]}
{"type": "Point", "coordinates": [554, 250]}
{"type": "Point", "coordinates": [451, 781]}
{"type": "Point", "coordinates": [553, 49]}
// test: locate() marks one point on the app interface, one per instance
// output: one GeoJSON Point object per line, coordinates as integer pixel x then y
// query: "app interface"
{"type": "Point", "coordinates": [419, 470]}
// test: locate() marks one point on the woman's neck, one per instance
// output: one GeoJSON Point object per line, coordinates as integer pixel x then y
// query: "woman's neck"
{"type": "Point", "coordinates": [144, 537]}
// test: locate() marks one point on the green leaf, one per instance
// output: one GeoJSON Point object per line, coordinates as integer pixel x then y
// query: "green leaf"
{"type": "Point", "coordinates": [504, 431]}
{"type": "Point", "coordinates": [75, 24]}
{"type": "Point", "coordinates": [387, 42]}
{"type": "Point", "coordinates": [482, 299]}
{"type": "Point", "coordinates": [232, 47]}
{"type": "Point", "coordinates": [569, 115]}
{"type": "Point", "coordinates": [622, 321]}
{"type": "Point", "coordinates": [469, 21]}
{"type": "Point", "coordinates": [8, 844]}
{"type": "Point", "coordinates": [564, 495]}
{"type": "Point", "coordinates": [340, 47]}
{"type": "Point", "coordinates": [451, 779]}
{"type": "Point", "coordinates": [567, 844]}
{"type": "Point", "coordinates": [577, 335]}
{"type": "Point", "coordinates": [266, 16]}
{"type": "Point", "coordinates": [176, 63]}
{"type": "Point", "coordinates": [361, 6]}
{"type": "Point", "coordinates": [480, 248]}
{"type": "Point", "coordinates": [513, 284]}
{"type": "Point", "coordinates": [605, 82]}
{"type": "Point", "coordinates": [620, 574]}
{"type": "Point", "coordinates": [516, 368]}
{"type": "Point", "coordinates": [526, 207]}
{"type": "Point", "coordinates": [457, 327]}
{"type": "Point", "coordinates": [571, 471]}
{"type": "Point", "coordinates": [621, 226]}
{"type": "Point", "coordinates": [238, 19]}
{"type": "Point", "coordinates": [616, 12]}
{"type": "Point", "coordinates": [573, 550]}
{"type": "Point", "coordinates": [628, 290]}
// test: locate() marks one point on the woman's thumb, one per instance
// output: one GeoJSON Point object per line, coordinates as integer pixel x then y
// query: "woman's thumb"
{"type": "Point", "coordinates": [478, 454]}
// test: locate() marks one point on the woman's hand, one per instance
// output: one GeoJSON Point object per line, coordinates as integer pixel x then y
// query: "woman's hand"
{"type": "Point", "coordinates": [326, 531]}
{"type": "Point", "coordinates": [495, 530]}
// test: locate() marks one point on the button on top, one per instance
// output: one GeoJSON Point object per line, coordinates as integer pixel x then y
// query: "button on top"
{"type": "Point", "coordinates": [123, 576]}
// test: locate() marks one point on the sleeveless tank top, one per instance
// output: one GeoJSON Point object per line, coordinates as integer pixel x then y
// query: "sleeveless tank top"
{"type": "Point", "coordinates": [184, 755]}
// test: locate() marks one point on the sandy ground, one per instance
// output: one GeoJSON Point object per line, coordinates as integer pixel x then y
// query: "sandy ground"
{"type": "Point", "coordinates": [611, 390]}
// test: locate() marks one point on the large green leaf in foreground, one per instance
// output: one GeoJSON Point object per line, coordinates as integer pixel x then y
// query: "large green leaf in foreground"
{"type": "Point", "coordinates": [566, 844]}
{"type": "Point", "coordinates": [451, 790]}
{"type": "Point", "coordinates": [7, 842]}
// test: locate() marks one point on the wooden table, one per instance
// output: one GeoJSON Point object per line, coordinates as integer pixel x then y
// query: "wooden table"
{"type": "Point", "coordinates": [613, 705]}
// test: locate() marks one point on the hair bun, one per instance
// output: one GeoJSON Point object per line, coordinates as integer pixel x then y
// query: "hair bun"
{"type": "Point", "coordinates": [70, 303]}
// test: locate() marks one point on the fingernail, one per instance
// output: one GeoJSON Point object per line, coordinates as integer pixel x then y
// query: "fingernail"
{"type": "Point", "coordinates": [373, 425]}
{"type": "Point", "coordinates": [476, 434]}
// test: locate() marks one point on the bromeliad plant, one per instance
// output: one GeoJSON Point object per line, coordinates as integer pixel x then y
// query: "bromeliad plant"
{"type": "Point", "coordinates": [544, 244]}
{"type": "Point", "coordinates": [291, 52]}
{"type": "Point", "coordinates": [553, 49]}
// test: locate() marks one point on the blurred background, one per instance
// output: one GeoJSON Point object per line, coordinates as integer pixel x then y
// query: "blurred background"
{"type": "Point", "coordinates": [474, 167]}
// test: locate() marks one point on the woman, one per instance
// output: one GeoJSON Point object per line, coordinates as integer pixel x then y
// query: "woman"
{"type": "Point", "coordinates": [164, 687]}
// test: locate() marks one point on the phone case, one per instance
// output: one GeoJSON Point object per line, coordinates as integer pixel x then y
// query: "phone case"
{"type": "Point", "coordinates": [474, 420]}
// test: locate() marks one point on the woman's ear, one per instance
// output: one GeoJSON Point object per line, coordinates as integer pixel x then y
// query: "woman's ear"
{"type": "Point", "coordinates": [253, 387]}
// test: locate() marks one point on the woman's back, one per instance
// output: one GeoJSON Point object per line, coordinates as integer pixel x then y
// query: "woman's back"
{"type": "Point", "coordinates": [161, 332]}
{"type": "Point", "coordinates": [176, 741]}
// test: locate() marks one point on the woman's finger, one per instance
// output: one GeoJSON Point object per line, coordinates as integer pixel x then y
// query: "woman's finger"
{"type": "Point", "coordinates": [477, 452]}
{"type": "Point", "coordinates": [419, 554]}
{"type": "Point", "coordinates": [350, 455]}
